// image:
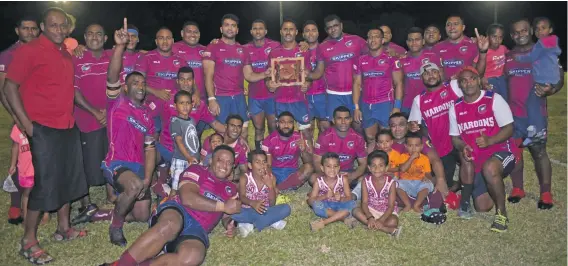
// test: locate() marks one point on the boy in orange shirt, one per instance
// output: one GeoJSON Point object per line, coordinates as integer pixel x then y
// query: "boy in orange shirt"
{"type": "Point", "coordinates": [415, 174]}
{"type": "Point", "coordinates": [384, 142]}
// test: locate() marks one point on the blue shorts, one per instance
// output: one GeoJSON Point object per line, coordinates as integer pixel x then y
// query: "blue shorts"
{"type": "Point", "coordinates": [158, 123]}
{"type": "Point", "coordinates": [412, 187]}
{"type": "Point", "coordinates": [522, 123]}
{"type": "Point", "coordinates": [334, 101]}
{"type": "Point", "coordinates": [191, 228]}
{"type": "Point", "coordinates": [112, 171]}
{"type": "Point", "coordinates": [232, 105]}
{"type": "Point", "coordinates": [479, 184]}
{"type": "Point", "coordinates": [258, 106]}
{"type": "Point", "coordinates": [320, 207]}
{"type": "Point", "coordinates": [316, 106]}
{"type": "Point", "coordinates": [282, 174]}
{"type": "Point", "coordinates": [499, 85]}
{"type": "Point", "coordinates": [164, 152]}
{"type": "Point", "coordinates": [376, 113]}
{"type": "Point", "coordinates": [298, 109]}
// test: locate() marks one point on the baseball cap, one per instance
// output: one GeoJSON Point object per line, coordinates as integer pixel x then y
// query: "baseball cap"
{"type": "Point", "coordinates": [428, 66]}
{"type": "Point", "coordinates": [470, 69]}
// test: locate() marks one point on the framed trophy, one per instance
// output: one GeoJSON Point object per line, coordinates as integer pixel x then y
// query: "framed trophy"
{"type": "Point", "coordinates": [288, 71]}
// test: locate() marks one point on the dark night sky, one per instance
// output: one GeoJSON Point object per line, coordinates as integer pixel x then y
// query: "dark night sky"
{"type": "Point", "coordinates": [357, 16]}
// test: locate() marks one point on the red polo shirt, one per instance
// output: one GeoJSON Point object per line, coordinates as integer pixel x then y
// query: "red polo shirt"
{"type": "Point", "coordinates": [44, 72]}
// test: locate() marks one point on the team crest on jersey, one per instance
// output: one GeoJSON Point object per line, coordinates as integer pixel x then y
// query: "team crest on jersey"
{"type": "Point", "coordinates": [351, 144]}
{"type": "Point", "coordinates": [397, 64]}
{"type": "Point", "coordinates": [240, 50]}
{"type": "Point", "coordinates": [267, 50]}
{"type": "Point", "coordinates": [305, 118]}
{"type": "Point", "coordinates": [317, 146]}
{"type": "Point", "coordinates": [152, 106]}
{"type": "Point", "coordinates": [86, 68]}
{"type": "Point", "coordinates": [463, 49]}
{"type": "Point", "coordinates": [482, 108]}
{"type": "Point", "coordinates": [298, 54]}
{"type": "Point", "coordinates": [443, 94]}
{"type": "Point", "coordinates": [201, 52]}
{"type": "Point", "coordinates": [381, 61]}
{"type": "Point", "coordinates": [176, 62]}
{"type": "Point", "coordinates": [425, 60]}
{"type": "Point", "coordinates": [292, 144]}
{"type": "Point", "coordinates": [348, 43]}
{"type": "Point", "coordinates": [229, 190]}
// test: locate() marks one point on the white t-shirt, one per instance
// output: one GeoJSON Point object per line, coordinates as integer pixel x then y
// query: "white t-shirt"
{"type": "Point", "coordinates": [416, 115]}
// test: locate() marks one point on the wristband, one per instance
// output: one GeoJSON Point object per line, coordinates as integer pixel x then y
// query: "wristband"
{"type": "Point", "coordinates": [356, 106]}
{"type": "Point", "coordinates": [113, 85]}
{"type": "Point", "coordinates": [219, 206]}
{"type": "Point", "coordinates": [397, 104]}
{"type": "Point", "coordinates": [482, 52]}
{"type": "Point", "coordinates": [211, 98]}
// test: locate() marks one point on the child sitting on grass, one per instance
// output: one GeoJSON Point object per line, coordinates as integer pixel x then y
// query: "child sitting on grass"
{"type": "Point", "coordinates": [331, 196]}
{"type": "Point", "coordinates": [378, 207]}
{"type": "Point", "coordinates": [415, 174]}
{"type": "Point", "coordinates": [258, 193]}
{"type": "Point", "coordinates": [22, 158]}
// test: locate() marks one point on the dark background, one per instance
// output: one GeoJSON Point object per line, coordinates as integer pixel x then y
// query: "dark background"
{"type": "Point", "coordinates": [357, 16]}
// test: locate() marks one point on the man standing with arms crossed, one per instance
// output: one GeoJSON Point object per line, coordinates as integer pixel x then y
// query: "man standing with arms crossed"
{"type": "Point", "coordinates": [40, 94]}
{"type": "Point", "coordinates": [261, 101]}
{"type": "Point", "coordinates": [374, 76]}
{"type": "Point", "coordinates": [27, 30]}
{"type": "Point", "coordinates": [224, 79]}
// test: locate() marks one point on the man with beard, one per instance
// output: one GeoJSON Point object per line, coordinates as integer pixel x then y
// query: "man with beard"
{"type": "Point", "coordinates": [261, 105]}
{"type": "Point", "coordinates": [375, 74]}
{"type": "Point", "coordinates": [336, 57]}
{"type": "Point", "coordinates": [459, 51]}
{"type": "Point", "coordinates": [481, 126]}
{"type": "Point", "coordinates": [316, 95]}
{"type": "Point", "coordinates": [27, 30]}
{"type": "Point", "coordinates": [432, 36]}
{"type": "Point", "coordinates": [284, 148]}
{"type": "Point", "coordinates": [223, 64]}
{"type": "Point", "coordinates": [180, 226]}
{"type": "Point", "coordinates": [392, 48]}
{"type": "Point", "coordinates": [345, 142]}
{"type": "Point", "coordinates": [520, 77]}
{"type": "Point", "coordinates": [430, 109]}
{"type": "Point", "coordinates": [233, 139]}
{"type": "Point", "coordinates": [416, 57]}
{"type": "Point", "coordinates": [291, 98]}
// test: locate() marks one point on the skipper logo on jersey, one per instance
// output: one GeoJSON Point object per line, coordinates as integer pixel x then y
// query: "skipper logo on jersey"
{"type": "Point", "coordinates": [343, 157]}
{"type": "Point", "coordinates": [260, 64]}
{"type": "Point", "coordinates": [485, 122]}
{"type": "Point", "coordinates": [86, 68]}
{"type": "Point", "coordinates": [342, 57]}
{"type": "Point", "coordinates": [233, 62]}
{"type": "Point", "coordinates": [285, 158]}
{"type": "Point", "coordinates": [128, 70]}
{"type": "Point", "coordinates": [166, 75]}
{"type": "Point", "coordinates": [373, 74]}
{"type": "Point", "coordinates": [452, 63]}
{"type": "Point", "coordinates": [212, 196]}
{"type": "Point", "coordinates": [413, 75]}
{"type": "Point", "coordinates": [519, 72]}
{"type": "Point", "coordinates": [194, 64]}
{"type": "Point", "coordinates": [137, 124]}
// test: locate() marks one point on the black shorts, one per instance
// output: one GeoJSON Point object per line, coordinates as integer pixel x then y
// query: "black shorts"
{"type": "Point", "coordinates": [58, 164]}
{"type": "Point", "coordinates": [95, 148]}
{"type": "Point", "coordinates": [508, 162]}
{"type": "Point", "coordinates": [449, 162]}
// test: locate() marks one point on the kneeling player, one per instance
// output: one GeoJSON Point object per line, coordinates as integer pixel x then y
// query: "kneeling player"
{"type": "Point", "coordinates": [181, 224]}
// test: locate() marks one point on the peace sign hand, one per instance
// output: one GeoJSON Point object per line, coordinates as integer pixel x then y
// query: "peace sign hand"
{"type": "Point", "coordinates": [121, 35]}
{"type": "Point", "coordinates": [482, 41]}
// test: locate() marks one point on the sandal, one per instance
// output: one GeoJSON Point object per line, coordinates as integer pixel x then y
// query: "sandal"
{"type": "Point", "coordinates": [39, 257]}
{"type": "Point", "coordinates": [70, 234]}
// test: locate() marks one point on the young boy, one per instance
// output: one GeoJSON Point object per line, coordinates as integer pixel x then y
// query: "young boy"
{"type": "Point", "coordinates": [184, 134]}
{"type": "Point", "coordinates": [331, 196]}
{"type": "Point", "coordinates": [215, 140]}
{"type": "Point", "coordinates": [415, 174]}
{"type": "Point", "coordinates": [258, 193]}
{"type": "Point", "coordinates": [545, 70]}
{"type": "Point", "coordinates": [384, 143]}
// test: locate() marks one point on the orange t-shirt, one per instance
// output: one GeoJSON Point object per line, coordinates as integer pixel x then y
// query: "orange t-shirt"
{"type": "Point", "coordinates": [418, 169]}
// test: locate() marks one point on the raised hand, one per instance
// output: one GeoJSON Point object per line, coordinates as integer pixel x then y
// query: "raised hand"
{"type": "Point", "coordinates": [121, 35]}
{"type": "Point", "coordinates": [482, 41]}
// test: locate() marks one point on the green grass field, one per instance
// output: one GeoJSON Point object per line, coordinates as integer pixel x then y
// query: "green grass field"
{"type": "Point", "coordinates": [534, 238]}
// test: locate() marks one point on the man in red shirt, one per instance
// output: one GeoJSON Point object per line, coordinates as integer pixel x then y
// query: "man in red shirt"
{"type": "Point", "coordinates": [40, 94]}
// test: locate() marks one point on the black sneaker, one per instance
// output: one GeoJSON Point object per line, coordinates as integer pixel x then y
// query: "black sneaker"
{"type": "Point", "coordinates": [86, 215]}
{"type": "Point", "coordinates": [16, 221]}
{"type": "Point", "coordinates": [500, 224]}
{"type": "Point", "coordinates": [117, 236]}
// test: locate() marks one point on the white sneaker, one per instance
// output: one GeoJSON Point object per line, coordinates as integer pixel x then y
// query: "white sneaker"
{"type": "Point", "coordinates": [279, 225]}
{"type": "Point", "coordinates": [245, 229]}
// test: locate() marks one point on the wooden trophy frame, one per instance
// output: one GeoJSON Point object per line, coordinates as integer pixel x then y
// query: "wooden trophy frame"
{"type": "Point", "coordinates": [288, 71]}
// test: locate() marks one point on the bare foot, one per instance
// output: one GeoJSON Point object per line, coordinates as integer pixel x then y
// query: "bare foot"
{"type": "Point", "coordinates": [317, 225]}
{"type": "Point", "coordinates": [351, 222]}
{"type": "Point", "coordinates": [406, 209]}
{"type": "Point", "coordinates": [417, 209]}
{"type": "Point", "coordinates": [230, 233]}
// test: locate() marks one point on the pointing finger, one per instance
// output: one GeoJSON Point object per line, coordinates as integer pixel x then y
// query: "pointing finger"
{"type": "Point", "coordinates": [125, 24]}
{"type": "Point", "coordinates": [476, 33]}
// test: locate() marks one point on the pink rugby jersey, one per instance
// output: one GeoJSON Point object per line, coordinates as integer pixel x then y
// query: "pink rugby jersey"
{"type": "Point", "coordinates": [240, 147]}
{"type": "Point", "coordinates": [413, 84]}
{"type": "Point", "coordinates": [168, 111]}
{"type": "Point", "coordinates": [396, 48]}
{"type": "Point", "coordinates": [210, 187]}
{"type": "Point", "coordinates": [339, 57]}
{"type": "Point", "coordinates": [379, 200]}
{"type": "Point", "coordinates": [318, 86]}
{"type": "Point", "coordinates": [338, 188]}
{"type": "Point", "coordinates": [456, 56]}
{"type": "Point", "coordinates": [202, 113]}
{"type": "Point", "coordinates": [289, 94]}
{"type": "Point", "coordinates": [129, 127]}
{"type": "Point", "coordinates": [193, 57]}
{"type": "Point", "coordinates": [352, 147]}
{"type": "Point", "coordinates": [229, 61]}
{"type": "Point", "coordinates": [257, 58]}
{"type": "Point", "coordinates": [285, 153]}
{"type": "Point", "coordinates": [401, 147]}
{"type": "Point", "coordinates": [376, 77]}
{"type": "Point", "coordinates": [129, 60]}
{"type": "Point", "coordinates": [495, 62]}
{"type": "Point", "coordinates": [520, 84]}
{"type": "Point", "coordinates": [254, 192]}
{"type": "Point", "coordinates": [432, 107]}
{"type": "Point", "coordinates": [6, 57]}
{"type": "Point", "coordinates": [484, 116]}
{"type": "Point", "coordinates": [91, 81]}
